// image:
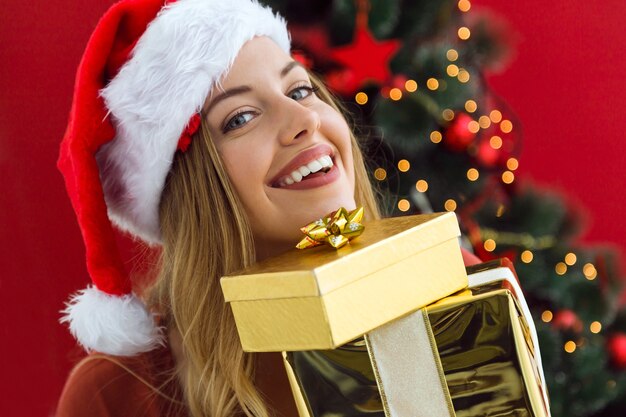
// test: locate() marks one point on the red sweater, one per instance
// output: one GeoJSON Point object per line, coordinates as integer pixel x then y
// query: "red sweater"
{"type": "Point", "coordinates": [139, 386]}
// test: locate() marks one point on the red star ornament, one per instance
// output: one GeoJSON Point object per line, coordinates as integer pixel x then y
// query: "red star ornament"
{"type": "Point", "coordinates": [367, 58]}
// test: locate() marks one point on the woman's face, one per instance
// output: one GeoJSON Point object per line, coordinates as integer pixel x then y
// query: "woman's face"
{"type": "Point", "coordinates": [287, 153]}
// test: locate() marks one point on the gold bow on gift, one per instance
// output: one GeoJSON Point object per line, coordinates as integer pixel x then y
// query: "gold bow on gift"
{"type": "Point", "coordinates": [334, 229]}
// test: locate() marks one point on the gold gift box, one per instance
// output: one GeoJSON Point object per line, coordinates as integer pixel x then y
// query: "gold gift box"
{"type": "Point", "coordinates": [487, 352]}
{"type": "Point", "coordinates": [469, 354]}
{"type": "Point", "coordinates": [322, 298]}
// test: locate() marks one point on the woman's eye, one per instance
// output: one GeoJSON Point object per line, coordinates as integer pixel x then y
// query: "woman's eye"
{"type": "Point", "coordinates": [238, 121]}
{"type": "Point", "coordinates": [302, 92]}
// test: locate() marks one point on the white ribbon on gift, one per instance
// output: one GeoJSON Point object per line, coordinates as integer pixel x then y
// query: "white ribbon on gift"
{"type": "Point", "coordinates": [411, 382]}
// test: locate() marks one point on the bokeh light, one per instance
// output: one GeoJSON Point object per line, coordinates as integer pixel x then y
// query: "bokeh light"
{"type": "Point", "coordinates": [421, 186]}
{"type": "Point", "coordinates": [464, 33]}
{"type": "Point", "coordinates": [395, 94]}
{"type": "Point", "coordinates": [470, 106]}
{"type": "Point", "coordinates": [489, 245]}
{"type": "Point", "coordinates": [404, 165]}
{"type": "Point", "coordinates": [472, 174]}
{"type": "Point", "coordinates": [432, 84]}
{"type": "Point", "coordinates": [361, 98]}
{"type": "Point", "coordinates": [450, 205]}
{"type": "Point", "coordinates": [435, 136]}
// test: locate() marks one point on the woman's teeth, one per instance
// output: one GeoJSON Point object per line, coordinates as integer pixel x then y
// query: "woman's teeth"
{"type": "Point", "coordinates": [310, 168]}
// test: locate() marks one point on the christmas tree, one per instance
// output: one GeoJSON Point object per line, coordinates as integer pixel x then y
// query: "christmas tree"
{"type": "Point", "coordinates": [412, 74]}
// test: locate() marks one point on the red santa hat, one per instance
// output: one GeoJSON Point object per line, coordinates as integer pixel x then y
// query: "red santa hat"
{"type": "Point", "coordinates": [143, 79]}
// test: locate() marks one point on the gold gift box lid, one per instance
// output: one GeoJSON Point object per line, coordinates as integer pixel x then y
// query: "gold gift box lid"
{"type": "Point", "coordinates": [321, 298]}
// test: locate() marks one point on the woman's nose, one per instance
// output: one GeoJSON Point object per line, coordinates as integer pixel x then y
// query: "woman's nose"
{"type": "Point", "coordinates": [299, 122]}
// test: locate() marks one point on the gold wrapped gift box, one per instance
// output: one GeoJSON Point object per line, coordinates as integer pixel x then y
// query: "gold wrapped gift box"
{"type": "Point", "coordinates": [487, 353]}
{"type": "Point", "coordinates": [363, 333]}
{"type": "Point", "coordinates": [470, 354]}
{"type": "Point", "coordinates": [322, 298]}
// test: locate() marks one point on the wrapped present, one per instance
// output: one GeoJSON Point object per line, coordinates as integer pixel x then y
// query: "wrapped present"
{"type": "Point", "coordinates": [474, 353]}
{"type": "Point", "coordinates": [321, 298]}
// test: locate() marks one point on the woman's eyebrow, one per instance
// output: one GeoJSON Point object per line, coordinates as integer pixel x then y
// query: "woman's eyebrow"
{"type": "Point", "coordinates": [226, 94]}
{"type": "Point", "coordinates": [288, 68]}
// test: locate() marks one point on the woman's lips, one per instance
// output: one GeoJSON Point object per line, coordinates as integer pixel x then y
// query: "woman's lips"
{"type": "Point", "coordinates": [303, 158]}
{"type": "Point", "coordinates": [315, 180]}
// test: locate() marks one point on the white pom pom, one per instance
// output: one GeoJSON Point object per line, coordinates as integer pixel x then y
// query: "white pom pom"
{"type": "Point", "coordinates": [116, 325]}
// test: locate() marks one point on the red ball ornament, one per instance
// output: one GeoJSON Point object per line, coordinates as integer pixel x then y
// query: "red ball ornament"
{"type": "Point", "coordinates": [486, 155]}
{"type": "Point", "coordinates": [616, 346]}
{"type": "Point", "coordinates": [567, 320]}
{"type": "Point", "coordinates": [457, 135]}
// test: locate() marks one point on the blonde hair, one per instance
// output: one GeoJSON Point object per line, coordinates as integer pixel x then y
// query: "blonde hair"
{"type": "Point", "coordinates": [206, 235]}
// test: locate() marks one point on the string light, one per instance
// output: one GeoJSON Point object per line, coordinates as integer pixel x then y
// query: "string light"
{"type": "Point", "coordinates": [500, 210]}
{"type": "Point", "coordinates": [452, 70]}
{"type": "Point", "coordinates": [395, 94]}
{"type": "Point", "coordinates": [361, 98]}
{"type": "Point", "coordinates": [590, 271]}
{"type": "Point", "coordinates": [404, 205]}
{"type": "Point", "coordinates": [495, 142]}
{"type": "Point", "coordinates": [484, 122]}
{"type": "Point", "coordinates": [450, 205]}
{"type": "Point", "coordinates": [610, 384]}
{"type": "Point", "coordinates": [489, 245]}
{"type": "Point", "coordinates": [452, 55]}
{"type": "Point", "coordinates": [464, 33]}
{"type": "Point", "coordinates": [435, 136]}
{"type": "Point", "coordinates": [595, 327]}
{"type": "Point", "coordinates": [546, 316]}
{"type": "Point", "coordinates": [410, 86]}
{"type": "Point", "coordinates": [560, 268]}
{"type": "Point", "coordinates": [506, 126]}
{"type": "Point", "coordinates": [463, 76]}
{"type": "Point", "coordinates": [520, 239]}
{"type": "Point", "coordinates": [447, 115]}
{"type": "Point", "coordinates": [470, 106]}
{"type": "Point", "coordinates": [527, 256]}
{"type": "Point", "coordinates": [404, 165]}
{"type": "Point", "coordinates": [432, 84]}
{"type": "Point", "coordinates": [495, 116]}
{"type": "Point", "coordinates": [464, 5]}
{"type": "Point", "coordinates": [570, 258]}
{"type": "Point", "coordinates": [473, 126]}
{"type": "Point", "coordinates": [380, 174]}
{"type": "Point", "coordinates": [472, 174]}
{"type": "Point", "coordinates": [508, 177]}
{"type": "Point", "coordinates": [512, 164]}
{"type": "Point", "coordinates": [421, 186]}
{"type": "Point", "coordinates": [569, 346]}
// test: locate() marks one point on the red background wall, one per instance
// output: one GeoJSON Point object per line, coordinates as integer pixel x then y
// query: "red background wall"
{"type": "Point", "coordinates": [566, 84]}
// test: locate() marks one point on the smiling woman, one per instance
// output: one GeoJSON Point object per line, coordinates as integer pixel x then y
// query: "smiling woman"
{"type": "Point", "coordinates": [211, 142]}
